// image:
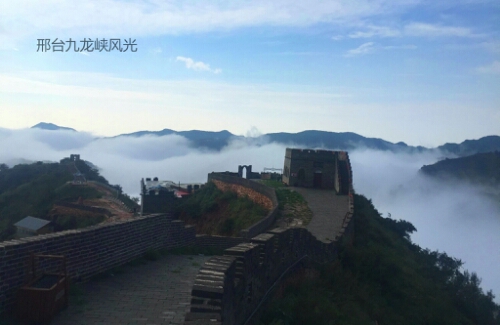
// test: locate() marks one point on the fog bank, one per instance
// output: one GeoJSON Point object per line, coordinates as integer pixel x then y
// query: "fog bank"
{"type": "Point", "coordinates": [449, 216]}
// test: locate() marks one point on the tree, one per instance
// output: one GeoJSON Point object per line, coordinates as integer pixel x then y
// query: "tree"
{"type": "Point", "coordinates": [3, 167]}
{"type": "Point", "coordinates": [118, 188]}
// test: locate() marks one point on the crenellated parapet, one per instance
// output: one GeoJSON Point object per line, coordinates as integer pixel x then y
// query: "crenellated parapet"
{"type": "Point", "coordinates": [229, 288]}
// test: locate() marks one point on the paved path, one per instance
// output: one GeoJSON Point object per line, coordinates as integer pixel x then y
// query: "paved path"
{"type": "Point", "coordinates": [157, 292]}
{"type": "Point", "coordinates": [329, 210]}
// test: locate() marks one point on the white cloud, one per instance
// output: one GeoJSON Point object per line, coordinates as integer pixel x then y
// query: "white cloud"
{"type": "Point", "coordinates": [113, 18]}
{"type": "Point", "coordinates": [454, 217]}
{"type": "Point", "coordinates": [363, 49]}
{"type": "Point", "coordinates": [417, 29]}
{"type": "Point", "coordinates": [435, 30]}
{"type": "Point", "coordinates": [253, 132]}
{"type": "Point", "coordinates": [492, 46]}
{"type": "Point", "coordinates": [493, 68]}
{"type": "Point", "coordinates": [90, 101]}
{"type": "Point", "coordinates": [60, 84]}
{"type": "Point", "coordinates": [75, 99]}
{"type": "Point", "coordinates": [400, 47]}
{"type": "Point", "coordinates": [380, 31]}
{"type": "Point", "coordinates": [197, 66]}
{"type": "Point", "coordinates": [371, 47]}
{"type": "Point", "coordinates": [300, 53]}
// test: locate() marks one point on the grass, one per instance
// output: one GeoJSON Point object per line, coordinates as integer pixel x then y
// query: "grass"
{"type": "Point", "coordinates": [214, 212]}
{"type": "Point", "coordinates": [293, 205]}
{"type": "Point", "coordinates": [272, 183]}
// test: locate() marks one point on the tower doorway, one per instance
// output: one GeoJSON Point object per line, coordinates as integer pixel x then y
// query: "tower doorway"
{"type": "Point", "coordinates": [301, 177]}
{"type": "Point", "coordinates": [318, 179]}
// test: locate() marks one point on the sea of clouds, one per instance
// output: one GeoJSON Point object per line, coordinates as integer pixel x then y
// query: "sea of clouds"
{"type": "Point", "coordinates": [453, 217]}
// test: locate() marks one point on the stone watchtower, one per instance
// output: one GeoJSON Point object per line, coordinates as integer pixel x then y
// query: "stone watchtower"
{"type": "Point", "coordinates": [322, 169]}
{"type": "Point", "coordinates": [74, 157]}
{"type": "Point", "coordinates": [156, 197]}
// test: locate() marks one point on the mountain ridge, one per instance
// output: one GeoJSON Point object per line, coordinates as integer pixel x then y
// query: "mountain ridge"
{"type": "Point", "coordinates": [51, 127]}
{"type": "Point", "coordinates": [216, 140]}
{"type": "Point", "coordinates": [483, 168]}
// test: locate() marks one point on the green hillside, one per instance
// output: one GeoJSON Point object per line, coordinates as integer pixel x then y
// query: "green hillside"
{"type": "Point", "coordinates": [481, 168]}
{"type": "Point", "coordinates": [215, 212]}
{"type": "Point", "coordinates": [382, 278]}
{"type": "Point", "coordinates": [28, 190]}
{"type": "Point", "coordinates": [32, 190]}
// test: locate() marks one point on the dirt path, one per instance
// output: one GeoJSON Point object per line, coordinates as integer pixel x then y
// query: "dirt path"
{"type": "Point", "coordinates": [157, 292]}
{"type": "Point", "coordinates": [109, 202]}
{"type": "Point", "coordinates": [329, 210]}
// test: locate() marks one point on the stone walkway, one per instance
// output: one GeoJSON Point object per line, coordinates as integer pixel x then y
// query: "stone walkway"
{"type": "Point", "coordinates": [329, 210]}
{"type": "Point", "coordinates": [157, 292]}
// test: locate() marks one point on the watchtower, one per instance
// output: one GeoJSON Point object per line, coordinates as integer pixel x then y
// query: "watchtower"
{"type": "Point", "coordinates": [322, 169]}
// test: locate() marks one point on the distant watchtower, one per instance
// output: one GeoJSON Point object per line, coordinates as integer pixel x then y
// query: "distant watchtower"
{"type": "Point", "coordinates": [317, 168]}
{"type": "Point", "coordinates": [74, 157]}
{"type": "Point", "coordinates": [156, 197]}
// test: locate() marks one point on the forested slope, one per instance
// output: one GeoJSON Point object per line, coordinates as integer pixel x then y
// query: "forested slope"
{"type": "Point", "coordinates": [383, 278]}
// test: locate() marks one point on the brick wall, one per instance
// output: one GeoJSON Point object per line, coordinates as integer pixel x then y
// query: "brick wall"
{"type": "Point", "coordinates": [91, 250]}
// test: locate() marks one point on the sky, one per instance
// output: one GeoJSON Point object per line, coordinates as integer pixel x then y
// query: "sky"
{"type": "Point", "coordinates": [419, 71]}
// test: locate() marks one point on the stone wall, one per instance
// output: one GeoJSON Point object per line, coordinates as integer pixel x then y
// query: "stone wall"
{"type": "Point", "coordinates": [257, 192]}
{"type": "Point", "coordinates": [90, 250]}
{"type": "Point", "coordinates": [228, 289]}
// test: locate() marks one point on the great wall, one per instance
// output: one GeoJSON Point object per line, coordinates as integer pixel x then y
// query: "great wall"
{"type": "Point", "coordinates": [91, 250]}
{"type": "Point", "coordinates": [228, 289]}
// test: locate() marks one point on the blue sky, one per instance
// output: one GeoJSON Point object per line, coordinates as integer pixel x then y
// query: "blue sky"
{"type": "Point", "coordinates": [423, 72]}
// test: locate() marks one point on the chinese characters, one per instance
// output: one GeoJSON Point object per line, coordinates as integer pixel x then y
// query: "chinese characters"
{"type": "Point", "coordinates": [86, 45]}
